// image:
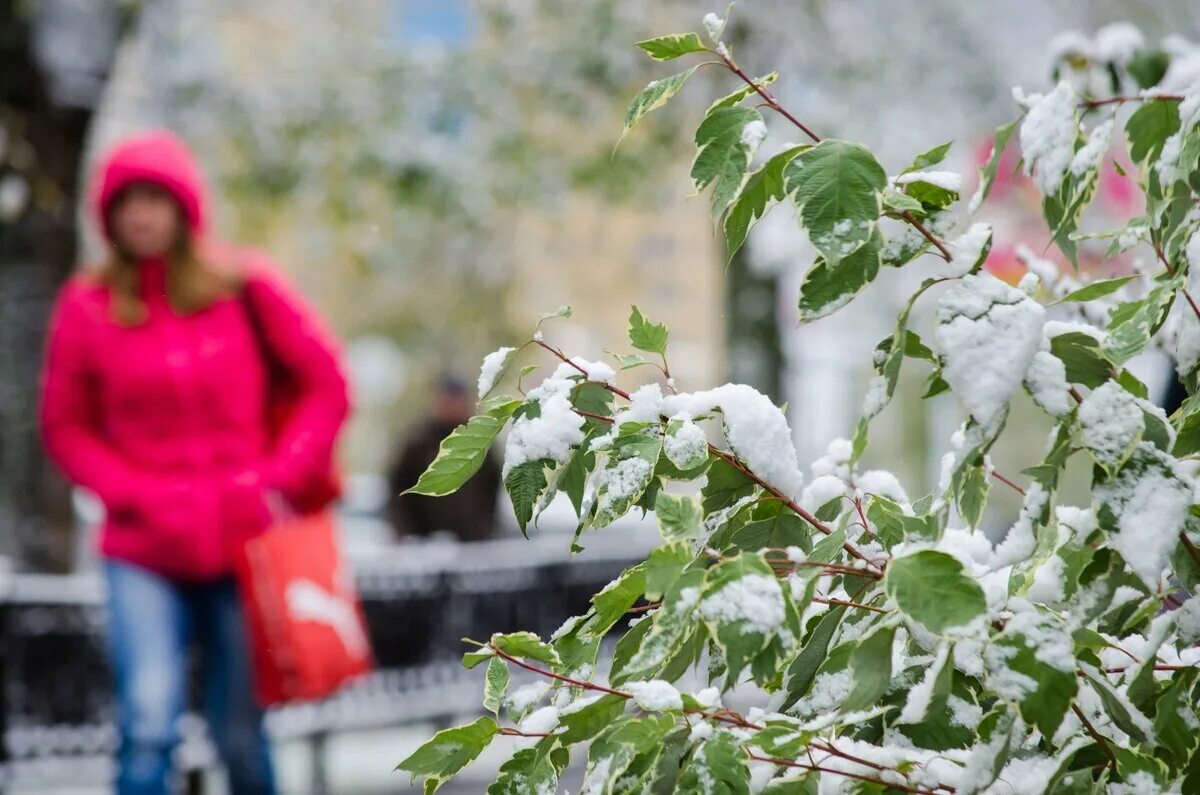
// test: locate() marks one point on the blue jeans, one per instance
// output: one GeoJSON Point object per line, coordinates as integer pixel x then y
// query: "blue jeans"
{"type": "Point", "coordinates": [152, 623]}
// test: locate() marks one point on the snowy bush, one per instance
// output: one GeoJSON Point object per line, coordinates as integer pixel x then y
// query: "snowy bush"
{"type": "Point", "coordinates": [891, 646]}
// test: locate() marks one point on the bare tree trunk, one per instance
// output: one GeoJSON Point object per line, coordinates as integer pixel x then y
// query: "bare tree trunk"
{"type": "Point", "coordinates": [54, 59]}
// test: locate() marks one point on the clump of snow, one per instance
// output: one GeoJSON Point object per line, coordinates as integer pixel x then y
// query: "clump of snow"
{"type": "Point", "coordinates": [755, 428]}
{"type": "Point", "coordinates": [555, 431]}
{"type": "Point", "coordinates": [655, 695]}
{"type": "Point", "coordinates": [708, 697]}
{"type": "Point", "coordinates": [755, 600]}
{"type": "Point", "coordinates": [964, 713]}
{"type": "Point", "coordinates": [836, 460]}
{"type": "Point", "coordinates": [645, 405]}
{"type": "Point", "coordinates": [1118, 42]}
{"type": "Point", "coordinates": [828, 691]}
{"type": "Point", "coordinates": [966, 250]}
{"type": "Point", "coordinates": [1150, 499]}
{"type": "Point", "coordinates": [1089, 155]}
{"type": "Point", "coordinates": [1046, 380]}
{"type": "Point", "coordinates": [1021, 540]}
{"type": "Point", "coordinates": [493, 363]}
{"type": "Point", "coordinates": [686, 446]}
{"type": "Point", "coordinates": [540, 721]}
{"type": "Point", "coordinates": [1048, 136]}
{"type": "Point", "coordinates": [1110, 422]}
{"type": "Point", "coordinates": [821, 491]}
{"type": "Point", "coordinates": [946, 180]}
{"type": "Point", "coordinates": [1047, 585]}
{"type": "Point", "coordinates": [526, 696]}
{"type": "Point", "coordinates": [753, 134]}
{"type": "Point", "coordinates": [600, 372]}
{"type": "Point", "coordinates": [989, 333]}
{"type": "Point", "coordinates": [1168, 160]}
{"type": "Point", "coordinates": [882, 483]}
{"type": "Point", "coordinates": [1056, 328]}
{"type": "Point", "coordinates": [1082, 521]}
{"type": "Point", "coordinates": [1029, 284]}
{"type": "Point", "coordinates": [714, 25]}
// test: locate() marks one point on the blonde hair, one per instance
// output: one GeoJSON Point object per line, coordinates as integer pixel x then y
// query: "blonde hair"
{"type": "Point", "coordinates": [194, 282]}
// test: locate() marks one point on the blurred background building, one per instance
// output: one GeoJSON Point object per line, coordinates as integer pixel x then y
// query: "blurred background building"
{"type": "Point", "coordinates": [435, 173]}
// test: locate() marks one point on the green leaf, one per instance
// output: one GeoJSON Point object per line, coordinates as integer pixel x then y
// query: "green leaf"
{"type": "Point", "coordinates": [614, 601]}
{"type": "Point", "coordinates": [628, 361]}
{"type": "Point", "coordinates": [1147, 67]}
{"type": "Point", "coordinates": [723, 157]}
{"type": "Point", "coordinates": [726, 485]}
{"type": "Point", "coordinates": [562, 311]}
{"type": "Point", "coordinates": [931, 197]}
{"type": "Point", "coordinates": [587, 718]}
{"type": "Point", "coordinates": [870, 668]}
{"type": "Point", "coordinates": [735, 98]}
{"type": "Point", "coordinates": [495, 685]}
{"type": "Point", "coordinates": [525, 484]}
{"type": "Point", "coordinates": [716, 767]}
{"type": "Point", "coordinates": [474, 658]}
{"type": "Point", "coordinates": [663, 567]}
{"type": "Point", "coordinates": [901, 202]}
{"type": "Point", "coordinates": [667, 48]}
{"type": "Point", "coordinates": [838, 186]}
{"type": "Point", "coordinates": [1120, 710]}
{"type": "Point", "coordinates": [572, 478]}
{"type": "Point", "coordinates": [931, 158]}
{"type": "Point", "coordinates": [463, 452]}
{"type": "Point", "coordinates": [932, 589]}
{"type": "Point", "coordinates": [653, 97]}
{"type": "Point", "coordinates": [773, 525]}
{"type": "Point", "coordinates": [1086, 364]}
{"type": "Point", "coordinates": [804, 668]}
{"type": "Point", "coordinates": [826, 290]}
{"type": "Point", "coordinates": [972, 494]}
{"type": "Point", "coordinates": [647, 336]}
{"type": "Point", "coordinates": [449, 752]}
{"type": "Point", "coordinates": [679, 518]}
{"type": "Point", "coordinates": [762, 191]}
{"type": "Point", "coordinates": [987, 174]}
{"type": "Point", "coordinates": [1149, 127]}
{"type": "Point", "coordinates": [1097, 289]}
{"type": "Point", "coordinates": [527, 646]}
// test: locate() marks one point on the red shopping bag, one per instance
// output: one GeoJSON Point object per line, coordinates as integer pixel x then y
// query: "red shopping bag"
{"type": "Point", "coordinates": [307, 632]}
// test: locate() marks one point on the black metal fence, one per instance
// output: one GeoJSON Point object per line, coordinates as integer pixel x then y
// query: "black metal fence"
{"type": "Point", "coordinates": [57, 708]}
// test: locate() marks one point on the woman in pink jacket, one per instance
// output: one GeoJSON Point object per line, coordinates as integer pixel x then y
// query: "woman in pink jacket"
{"type": "Point", "coordinates": [161, 369]}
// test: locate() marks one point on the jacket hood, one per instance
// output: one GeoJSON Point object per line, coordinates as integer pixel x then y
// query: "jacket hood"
{"type": "Point", "coordinates": [157, 156]}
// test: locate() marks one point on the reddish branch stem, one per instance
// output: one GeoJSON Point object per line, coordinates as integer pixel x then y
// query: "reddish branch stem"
{"type": "Point", "coordinates": [1008, 482]}
{"type": "Point", "coordinates": [1100, 739]}
{"type": "Point", "coordinates": [1186, 294]}
{"type": "Point", "coordinates": [1095, 103]}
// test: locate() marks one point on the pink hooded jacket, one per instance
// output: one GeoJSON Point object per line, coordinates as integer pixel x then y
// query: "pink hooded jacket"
{"type": "Point", "coordinates": [167, 421]}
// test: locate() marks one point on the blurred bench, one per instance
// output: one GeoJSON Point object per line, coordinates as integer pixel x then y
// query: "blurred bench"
{"type": "Point", "coordinates": [56, 705]}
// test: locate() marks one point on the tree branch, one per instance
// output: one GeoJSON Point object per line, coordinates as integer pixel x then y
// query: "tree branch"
{"type": "Point", "coordinates": [1097, 736]}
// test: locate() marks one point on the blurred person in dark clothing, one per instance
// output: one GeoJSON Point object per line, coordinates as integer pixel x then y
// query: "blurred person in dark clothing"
{"type": "Point", "coordinates": [470, 514]}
